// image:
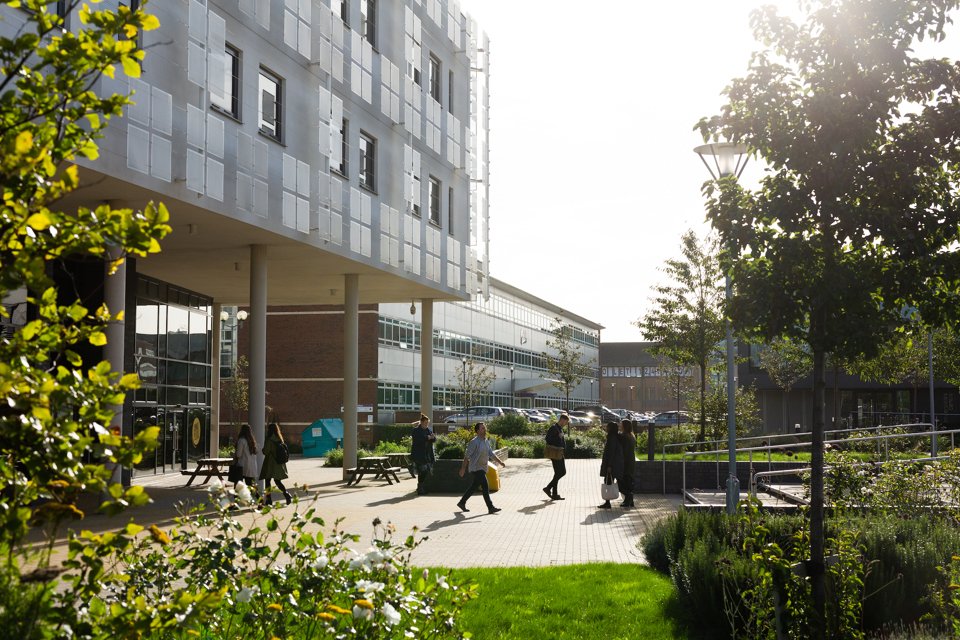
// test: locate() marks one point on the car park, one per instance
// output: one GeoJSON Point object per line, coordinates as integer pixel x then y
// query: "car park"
{"type": "Point", "coordinates": [670, 418]}
{"type": "Point", "coordinates": [472, 415]}
{"type": "Point", "coordinates": [534, 416]}
{"type": "Point", "coordinates": [582, 419]}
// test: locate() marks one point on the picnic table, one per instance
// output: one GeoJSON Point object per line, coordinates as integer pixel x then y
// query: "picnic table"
{"type": "Point", "coordinates": [401, 461]}
{"type": "Point", "coordinates": [208, 467]}
{"type": "Point", "coordinates": [376, 466]}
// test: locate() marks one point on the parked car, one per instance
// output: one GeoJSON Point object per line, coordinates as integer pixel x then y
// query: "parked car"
{"type": "Point", "coordinates": [603, 414]}
{"type": "Point", "coordinates": [472, 415]}
{"type": "Point", "coordinates": [534, 416]}
{"type": "Point", "coordinates": [668, 418]}
{"type": "Point", "coordinates": [582, 419]}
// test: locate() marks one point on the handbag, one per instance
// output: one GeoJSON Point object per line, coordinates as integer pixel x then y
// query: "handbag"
{"type": "Point", "coordinates": [610, 491]}
{"type": "Point", "coordinates": [553, 452]}
{"type": "Point", "coordinates": [235, 472]}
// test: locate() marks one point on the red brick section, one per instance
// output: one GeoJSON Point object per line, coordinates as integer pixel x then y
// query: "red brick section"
{"type": "Point", "coordinates": [305, 364]}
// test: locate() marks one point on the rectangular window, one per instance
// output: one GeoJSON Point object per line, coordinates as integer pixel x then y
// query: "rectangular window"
{"type": "Point", "coordinates": [416, 189]}
{"type": "Point", "coordinates": [344, 148]}
{"type": "Point", "coordinates": [450, 91]}
{"type": "Point", "coordinates": [368, 162]}
{"type": "Point", "coordinates": [435, 77]}
{"type": "Point", "coordinates": [435, 187]}
{"type": "Point", "coordinates": [230, 103]}
{"type": "Point", "coordinates": [368, 21]}
{"type": "Point", "coordinates": [341, 9]}
{"type": "Point", "coordinates": [450, 210]}
{"type": "Point", "coordinates": [271, 105]}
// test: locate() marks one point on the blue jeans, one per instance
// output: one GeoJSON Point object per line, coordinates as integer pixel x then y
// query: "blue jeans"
{"type": "Point", "coordinates": [479, 480]}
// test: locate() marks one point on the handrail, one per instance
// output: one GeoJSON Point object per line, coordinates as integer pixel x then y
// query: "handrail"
{"type": "Point", "coordinates": [768, 448]}
{"type": "Point", "coordinates": [772, 436]}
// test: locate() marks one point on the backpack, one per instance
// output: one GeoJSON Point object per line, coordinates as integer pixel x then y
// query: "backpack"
{"type": "Point", "coordinates": [283, 453]}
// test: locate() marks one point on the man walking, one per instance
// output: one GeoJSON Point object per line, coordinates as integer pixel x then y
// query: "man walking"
{"type": "Point", "coordinates": [555, 438]}
{"type": "Point", "coordinates": [478, 453]}
{"type": "Point", "coordinates": [421, 452]}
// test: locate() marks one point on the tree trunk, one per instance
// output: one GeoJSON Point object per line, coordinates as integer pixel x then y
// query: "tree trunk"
{"type": "Point", "coordinates": [703, 399]}
{"type": "Point", "coordinates": [815, 570]}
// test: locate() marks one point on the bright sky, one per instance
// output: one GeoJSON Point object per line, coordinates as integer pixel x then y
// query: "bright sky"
{"type": "Point", "coordinates": [593, 174]}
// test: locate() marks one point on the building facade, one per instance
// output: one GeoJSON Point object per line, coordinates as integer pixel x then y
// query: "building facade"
{"type": "Point", "coordinates": [505, 333]}
{"type": "Point", "coordinates": [310, 153]}
{"type": "Point", "coordinates": [633, 379]}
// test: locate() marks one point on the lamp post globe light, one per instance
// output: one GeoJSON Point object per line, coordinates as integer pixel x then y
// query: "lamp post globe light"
{"type": "Point", "coordinates": [728, 159]}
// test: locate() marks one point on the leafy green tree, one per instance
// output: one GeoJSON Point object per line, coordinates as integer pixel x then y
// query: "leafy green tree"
{"type": "Point", "coordinates": [566, 365]}
{"type": "Point", "coordinates": [786, 362]}
{"type": "Point", "coordinates": [474, 380]}
{"type": "Point", "coordinates": [55, 445]}
{"type": "Point", "coordinates": [857, 215]}
{"type": "Point", "coordinates": [686, 318]}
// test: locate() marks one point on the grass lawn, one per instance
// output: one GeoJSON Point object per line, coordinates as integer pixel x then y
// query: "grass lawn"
{"type": "Point", "coordinates": [606, 601]}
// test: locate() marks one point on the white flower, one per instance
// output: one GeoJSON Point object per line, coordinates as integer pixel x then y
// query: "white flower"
{"type": "Point", "coordinates": [360, 613]}
{"type": "Point", "coordinates": [426, 574]}
{"type": "Point", "coordinates": [321, 562]}
{"type": "Point", "coordinates": [216, 486]}
{"type": "Point", "coordinates": [392, 615]}
{"type": "Point", "coordinates": [442, 582]}
{"type": "Point", "coordinates": [368, 588]}
{"type": "Point", "coordinates": [243, 493]}
{"type": "Point", "coordinates": [246, 594]}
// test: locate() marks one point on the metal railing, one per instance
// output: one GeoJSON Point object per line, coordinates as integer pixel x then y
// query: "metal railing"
{"type": "Point", "coordinates": [769, 447]}
{"type": "Point", "coordinates": [782, 436]}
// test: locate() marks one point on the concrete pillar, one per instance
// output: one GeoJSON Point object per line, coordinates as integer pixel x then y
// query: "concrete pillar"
{"type": "Point", "coordinates": [258, 345]}
{"type": "Point", "coordinates": [216, 326]}
{"type": "Point", "coordinates": [351, 368]}
{"type": "Point", "coordinates": [426, 358]}
{"type": "Point", "coordinates": [114, 296]}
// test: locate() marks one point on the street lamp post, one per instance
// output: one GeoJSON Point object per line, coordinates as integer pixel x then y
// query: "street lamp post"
{"type": "Point", "coordinates": [630, 398]}
{"type": "Point", "coordinates": [513, 394]}
{"type": "Point", "coordinates": [613, 393]}
{"type": "Point", "coordinates": [728, 159]}
{"type": "Point", "coordinates": [591, 390]}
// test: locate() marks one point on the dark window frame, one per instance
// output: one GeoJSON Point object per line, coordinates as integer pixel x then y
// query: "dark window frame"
{"type": "Point", "coordinates": [367, 164]}
{"type": "Point", "coordinates": [433, 196]}
{"type": "Point", "coordinates": [278, 119]}
{"type": "Point", "coordinates": [234, 58]}
{"type": "Point", "coordinates": [368, 21]}
{"type": "Point", "coordinates": [436, 68]}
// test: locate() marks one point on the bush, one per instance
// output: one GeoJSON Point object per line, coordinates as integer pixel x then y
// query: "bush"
{"type": "Point", "coordinates": [387, 446]}
{"type": "Point", "coordinates": [335, 457]}
{"type": "Point", "coordinates": [705, 553]}
{"type": "Point", "coordinates": [393, 432]}
{"type": "Point", "coordinates": [451, 446]}
{"type": "Point", "coordinates": [510, 425]}
{"type": "Point", "coordinates": [210, 576]}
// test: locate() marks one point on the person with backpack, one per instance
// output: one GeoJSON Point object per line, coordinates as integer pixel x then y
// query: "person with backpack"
{"type": "Point", "coordinates": [275, 457]}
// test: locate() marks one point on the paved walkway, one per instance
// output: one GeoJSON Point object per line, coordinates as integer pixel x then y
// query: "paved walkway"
{"type": "Point", "coordinates": [531, 530]}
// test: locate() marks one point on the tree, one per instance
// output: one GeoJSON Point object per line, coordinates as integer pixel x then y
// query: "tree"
{"type": "Point", "coordinates": [54, 436]}
{"type": "Point", "coordinates": [787, 362]}
{"type": "Point", "coordinates": [474, 379]}
{"type": "Point", "coordinates": [686, 320]}
{"type": "Point", "coordinates": [565, 366]}
{"type": "Point", "coordinates": [237, 392]}
{"type": "Point", "coordinates": [856, 216]}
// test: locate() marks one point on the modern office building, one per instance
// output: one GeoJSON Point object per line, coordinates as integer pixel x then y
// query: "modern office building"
{"type": "Point", "coordinates": [505, 334]}
{"type": "Point", "coordinates": [632, 378]}
{"type": "Point", "coordinates": [310, 153]}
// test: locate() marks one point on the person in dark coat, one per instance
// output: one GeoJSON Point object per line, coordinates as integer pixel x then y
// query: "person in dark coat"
{"type": "Point", "coordinates": [628, 442]}
{"type": "Point", "coordinates": [555, 438]}
{"type": "Point", "coordinates": [611, 466]}
{"type": "Point", "coordinates": [421, 452]}
{"type": "Point", "coordinates": [272, 469]}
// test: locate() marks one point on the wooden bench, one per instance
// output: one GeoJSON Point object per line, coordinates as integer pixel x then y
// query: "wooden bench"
{"type": "Point", "coordinates": [208, 467]}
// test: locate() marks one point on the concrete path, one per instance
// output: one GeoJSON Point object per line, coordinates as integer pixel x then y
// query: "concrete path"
{"type": "Point", "coordinates": [531, 530]}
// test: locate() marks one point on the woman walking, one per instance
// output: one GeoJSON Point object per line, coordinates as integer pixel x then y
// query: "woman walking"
{"type": "Point", "coordinates": [273, 468]}
{"type": "Point", "coordinates": [246, 455]}
{"type": "Point", "coordinates": [611, 467]}
{"type": "Point", "coordinates": [628, 442]}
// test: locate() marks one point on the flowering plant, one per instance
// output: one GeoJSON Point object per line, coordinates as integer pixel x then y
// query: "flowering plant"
{"type": "Point", "coordinates": [278, 577]}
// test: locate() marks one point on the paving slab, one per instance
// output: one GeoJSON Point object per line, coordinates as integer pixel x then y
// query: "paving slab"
{"type": "Point", "coordinates": [531, 530]}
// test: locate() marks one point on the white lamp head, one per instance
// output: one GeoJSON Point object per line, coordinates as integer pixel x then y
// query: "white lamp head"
{"type": "Point", "coordinates": [729, 158]}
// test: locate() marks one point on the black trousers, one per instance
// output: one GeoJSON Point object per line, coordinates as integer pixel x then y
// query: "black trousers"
{"type": "Point", "coordinates": [559, 470]}
{"type": "Point", "coordinates": [626, 488]}
{"type": "Point", "coordinates": [479, 480]}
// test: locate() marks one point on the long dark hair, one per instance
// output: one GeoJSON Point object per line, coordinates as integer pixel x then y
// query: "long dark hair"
{"type": "Point", "coordinates": [612, 428]}
{"type": "Point", "coordinates": [247, 435]}
{"type": "Point", "coordinates": [273, 429]}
